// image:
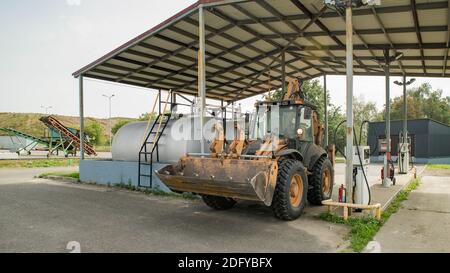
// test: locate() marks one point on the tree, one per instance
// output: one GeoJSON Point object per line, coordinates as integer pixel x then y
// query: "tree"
{"type": "Point", "coordinates": [119, 125]}
{"type": "Point", "coordinates": [423, 102]}
{"type": "Point", "coordinates": [95, 131]}
{"type": "Point", "coordinates": [147, 116]}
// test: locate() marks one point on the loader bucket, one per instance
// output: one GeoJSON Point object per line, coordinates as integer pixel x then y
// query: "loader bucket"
{"type": "Point", "coordinates": [233, 178]}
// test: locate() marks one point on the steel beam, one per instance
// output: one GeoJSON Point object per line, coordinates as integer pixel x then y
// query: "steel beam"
{"type": "Point", "coordinates": [283, 74]}
{"type": "Point", "coordinates": [361, 12]}
{"type": "Point", "coordinates": [405, 111]}
{"type": "Point", "coordinates": [386, 180]}
{"type": "Point", "coordinates": [202, 73]}
{"type": "Point", "coordinates": [349, 131]}
{"type": "Point", "coordinates": [419, 35]}
{"type": "Point", "coordinates": [325, 99]}
{"type": "Point", "coordinates": [444, 68]}
{"type": "Point", "coordinates": [374, 46]}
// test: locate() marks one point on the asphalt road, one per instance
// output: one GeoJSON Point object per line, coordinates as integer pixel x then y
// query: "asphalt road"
{"type": "Point", "coordinates": [423, 223]}
{"type": "Point", "coordinates": [38, 215]}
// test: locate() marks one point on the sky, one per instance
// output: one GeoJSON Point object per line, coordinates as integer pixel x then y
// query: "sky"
{"type": "Point", "coordinates": [43, 42]}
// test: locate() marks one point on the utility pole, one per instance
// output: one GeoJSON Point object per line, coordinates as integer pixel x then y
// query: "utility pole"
{"type": "Point", "coordinates": [404, 154]}
{"type": "Point", "coordinates": [405, 84]}
{"type": "Point", "coordinates": [46, 108]}
{"type": "Point", "coordinates": [110, 121]}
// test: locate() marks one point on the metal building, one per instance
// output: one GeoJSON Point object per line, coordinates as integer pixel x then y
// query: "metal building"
{"type": "Point", "coordinates": [430, 140]}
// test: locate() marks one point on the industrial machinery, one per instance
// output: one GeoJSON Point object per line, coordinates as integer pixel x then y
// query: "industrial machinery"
{"type": "Point", "coordinates": [24, 146]}
{"type": "Point", "coordinates": [282, 165]}
{"type": "Point", "coordinates": [69, 139]}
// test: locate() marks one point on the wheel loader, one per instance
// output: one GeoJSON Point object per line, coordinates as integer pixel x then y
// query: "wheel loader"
{"type": "Point", "coordinates": [282, 167]}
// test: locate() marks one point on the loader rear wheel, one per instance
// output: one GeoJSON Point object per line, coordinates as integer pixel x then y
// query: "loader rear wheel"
{"type": "Point", "coordinates": [290, 195]}
{"type": "Point", "coordinates": [218, 202]}
{"type": "Point", "coordinates": [321, 182]}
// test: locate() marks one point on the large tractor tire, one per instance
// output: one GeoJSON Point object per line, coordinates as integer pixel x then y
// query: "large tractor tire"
{"type": "Point", "coordinates": [218, 202]}
{"type": "Point", "coordinates": [290, 195]}
{"type": "Point", "coordinates": [321, 182]}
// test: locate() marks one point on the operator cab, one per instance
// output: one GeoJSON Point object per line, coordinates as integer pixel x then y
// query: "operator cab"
{"type": "Point", "coordinates": [287, 120]}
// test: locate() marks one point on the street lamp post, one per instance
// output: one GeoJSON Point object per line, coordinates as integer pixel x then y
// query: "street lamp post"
{"type": "Point", "coordinates": [110, 121]}
{"type": "Point", "coordinates": [404, 150]}
{"type": "Point", "coordinates": [46, 108]}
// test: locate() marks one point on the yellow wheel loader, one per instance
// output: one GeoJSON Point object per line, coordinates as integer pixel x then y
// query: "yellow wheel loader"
{"type": "Point", "coordinates": [283, 165]}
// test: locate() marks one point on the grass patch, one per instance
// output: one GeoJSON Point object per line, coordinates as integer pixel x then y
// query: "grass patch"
{"type": "Point", "coordinates": [75, 175]}
{"type": "Point", "coordinates": [39, 163]}
{"type": "Point", "coordinates": [364, 229]}
{"type": "Point", "coordinates": [102, 148]}
{"type": "Point", "coordinates": [438, 166]}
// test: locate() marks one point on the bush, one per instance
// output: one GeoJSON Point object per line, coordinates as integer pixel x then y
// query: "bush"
{"type": "Point", "coordinates": [95, 131]}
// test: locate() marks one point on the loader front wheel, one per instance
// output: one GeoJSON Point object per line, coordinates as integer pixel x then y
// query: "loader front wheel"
{"type": "Point", "coordinates": [321, 182]}
{"type": "Point", "coordinates": [218, 202]}
{"type": "Point", "coordinates": [290, 195]}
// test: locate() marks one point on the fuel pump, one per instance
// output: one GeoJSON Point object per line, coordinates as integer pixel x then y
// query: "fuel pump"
{"type": "Point", "coordinates": [383, 148]}
{"type": "Point", "coordinates": [361, 161]}
{"type": "Point", "coordinates": [403, 154]}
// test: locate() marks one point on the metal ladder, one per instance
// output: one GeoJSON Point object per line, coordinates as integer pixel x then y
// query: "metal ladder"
{"type": "Point", "coordinates": [146, 152]}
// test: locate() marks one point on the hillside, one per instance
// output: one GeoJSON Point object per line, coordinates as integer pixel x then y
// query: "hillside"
{"type": "Point", "coordinates": [29, 122]}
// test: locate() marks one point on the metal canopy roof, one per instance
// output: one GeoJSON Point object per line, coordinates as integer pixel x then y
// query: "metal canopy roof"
{"type": "Point", "coordinates": [245, 40]}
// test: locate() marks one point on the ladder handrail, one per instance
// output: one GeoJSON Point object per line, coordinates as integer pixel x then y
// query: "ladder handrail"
{"type": "Point", "coordinates": [160, 122]}
{"type": "Point", "coordinates": [145, 136]}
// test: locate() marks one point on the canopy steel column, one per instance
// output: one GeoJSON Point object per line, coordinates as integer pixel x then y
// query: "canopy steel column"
{"type": "Point", "coordinates": [349, 132]}
{"type": "Point", "coordinates": [283, 72]}
{"type": "Point", "coordinates": [405, 112]}
{"type": "Point", "coordinates": [202, 73]}
{"type": "Point", "coordinates": [80, 79]}
{"type": "Point", "coordinates": [386, 180]}
{"type": "Point", "coordinates": [325, 99]}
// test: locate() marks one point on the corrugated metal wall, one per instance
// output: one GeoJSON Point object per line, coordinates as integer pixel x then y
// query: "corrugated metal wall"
{"type": "Point", "coordinates": [431, 139]}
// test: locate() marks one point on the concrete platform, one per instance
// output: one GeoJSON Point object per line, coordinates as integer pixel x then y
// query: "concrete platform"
{"type": "Point", "coordinates": [110, 172]}
{"type": "Point", "coordinates": [106, 172]}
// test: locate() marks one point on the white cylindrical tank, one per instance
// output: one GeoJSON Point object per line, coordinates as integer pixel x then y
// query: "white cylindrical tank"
{"type": "Point", "coordinates": [181, 136]}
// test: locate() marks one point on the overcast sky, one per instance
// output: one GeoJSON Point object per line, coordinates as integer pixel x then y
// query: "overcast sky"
{"type": "Point", "coordinates": [43, 42]}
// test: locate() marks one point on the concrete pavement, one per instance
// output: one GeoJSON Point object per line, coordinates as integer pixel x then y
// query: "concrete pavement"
{"type": "Point", "coordinates": [423, 223]}
{"type": "Point", "coordinates": [39, 215]}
